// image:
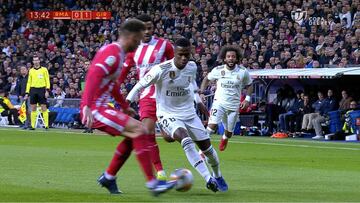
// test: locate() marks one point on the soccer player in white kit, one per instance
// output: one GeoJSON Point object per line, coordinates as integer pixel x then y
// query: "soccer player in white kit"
{"type": "Point", "coordinates": [231, 79]}
{"type": "Point", "coordinates": [175, 92]}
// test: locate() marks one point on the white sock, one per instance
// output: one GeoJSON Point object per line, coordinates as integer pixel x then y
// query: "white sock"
{"type": "Point", "coordinates": [194, 158]}
{"type": "Point", "coordinates": [224, 137]}
{"type": "Point", "coordinates": [213, 160]}
{"type": "Point", "coordinates": [108, 176]}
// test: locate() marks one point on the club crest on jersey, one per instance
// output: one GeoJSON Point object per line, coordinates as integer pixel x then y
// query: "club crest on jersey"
{"type": "Point", "coordinates": [189, 78]}
{"type": "Point", "coordinates": [110, 60]}
{"type": "Point", "coordinates": [223, 73]}
{"type": "Point", "coordinates": [172, 74]}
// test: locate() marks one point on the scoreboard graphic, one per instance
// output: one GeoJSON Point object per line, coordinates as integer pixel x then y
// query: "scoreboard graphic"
{"type": "Point", "coordinates": [68, 15]}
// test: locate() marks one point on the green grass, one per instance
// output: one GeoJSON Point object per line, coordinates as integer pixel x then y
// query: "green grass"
{"type": "Point", "coordinates": [59, 166]}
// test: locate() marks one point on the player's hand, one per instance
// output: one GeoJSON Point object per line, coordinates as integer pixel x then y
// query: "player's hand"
{"type": "Point", "coordinates": [244, 105]}
{"type": "Point", "coordinates": [203, 98]}
{"type": "Point", "coordinates": [46, 94]}
{"type": "Point", "coordinates": [26, 96]}
{"type": "Point", "coordinates": [88, 118]}
{"type": "Point", "coordinates": [203, 110]}
{"type": "Point", "coordinates": [130, 111]}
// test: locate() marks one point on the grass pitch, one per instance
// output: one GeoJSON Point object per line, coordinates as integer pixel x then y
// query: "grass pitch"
{"type": "Point", "coordinates": [59, 166]}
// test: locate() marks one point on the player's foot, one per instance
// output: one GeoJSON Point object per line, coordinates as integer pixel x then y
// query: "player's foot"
{"type": "Point", "coordinates": [318, 137]}
{"type": "Point", "coordinates": [161, 175]}
{"type": "Point", "coordinates": [157, 187]}
{"type": "Point", "coordinates": [110, 185]}
{"type": "Point", "coordinates": [31, 128]}
{"type": "Point", "coordinates": [222, 186]}
{"type": "Point", "coordinates": [223, 144]}
{"type": "Point", "coordinates": [212, 185]}
{"type": "Point", "coordinates": [47, 128]}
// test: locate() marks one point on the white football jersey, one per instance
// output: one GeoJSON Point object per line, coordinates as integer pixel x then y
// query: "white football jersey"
{"type": "Point", "coordinates": [174, 89]}
{"type": "Point", "coordinates": [229, 85]}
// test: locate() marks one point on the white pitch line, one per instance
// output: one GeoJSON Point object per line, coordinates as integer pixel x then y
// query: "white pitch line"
{"type": "Point", "coordinates": [292, 145]}
{"type": "Point", "coordinates": [215, 140]}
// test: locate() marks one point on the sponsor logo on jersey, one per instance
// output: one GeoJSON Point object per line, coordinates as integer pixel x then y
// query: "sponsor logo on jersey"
{"type": "Point", "coordinates": [172, 74]}
{"type": "Point", "coordinates": [110, 60]}
{"type": "Point", "coordinates": [179, 92]}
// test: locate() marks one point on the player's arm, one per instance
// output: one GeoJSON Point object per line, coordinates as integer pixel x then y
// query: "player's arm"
{"type": "Point", "coordinates": [150, 78]}
{"type": "Point", "coordinates": [128, 64]}
{"type": "Point", "coordinates": [247, 82]}
{"type": "Point", "coordinates": [209, 77]}
{"type": "Point", "coordinates": [116, 93]}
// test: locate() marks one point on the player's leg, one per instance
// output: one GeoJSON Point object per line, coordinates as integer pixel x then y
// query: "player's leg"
{"type": "Point", "coordinates": [215, 118]}
{"type": "Point", "coordinates": [122, 153]}
{"type": "Point", "coordinates": [200, 136]}
{"type": "Point", "coordinates": [116, 123]}
{"type": "Point", "coordinates": [229, 119]}
{"type": "Point", "coordinates": [178, 132]}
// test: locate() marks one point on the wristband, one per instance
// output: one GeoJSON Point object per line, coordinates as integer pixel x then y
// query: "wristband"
{"type": "Point", "coordinates": [248, 98]}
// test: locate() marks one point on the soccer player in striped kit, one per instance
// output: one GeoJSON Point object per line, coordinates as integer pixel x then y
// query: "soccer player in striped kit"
{"type": "Point", "coordinates": [151, 51]}
{"type": "Point", "coordinates": [102, 84]}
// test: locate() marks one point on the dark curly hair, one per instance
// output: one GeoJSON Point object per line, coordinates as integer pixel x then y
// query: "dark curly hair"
{"type": "Point", "coordinates": [225, 49]}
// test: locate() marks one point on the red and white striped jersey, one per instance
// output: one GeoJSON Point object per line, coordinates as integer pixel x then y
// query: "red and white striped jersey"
{"type": "Point", "coordinates": [102, 78]}
{"type": "Point", "coordinates": [148, 55]}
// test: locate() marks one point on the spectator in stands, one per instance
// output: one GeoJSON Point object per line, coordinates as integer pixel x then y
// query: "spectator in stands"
{"type": "Point", "coordinates": [329, 104]}
{"type": "Point", "coordinates": [345, 101]}
{"type": "Point", "coordinates": [59, 97]}
{"type": "Point", "coordinates": [72, 94]}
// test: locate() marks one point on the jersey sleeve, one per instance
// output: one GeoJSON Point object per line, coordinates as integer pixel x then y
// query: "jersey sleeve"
{"type": "Point", "coordinates": [107, 59]}
{"type": "Point", "coordinates": [213, 75]}
{"type": "Point", "coordinates": [246, 78]}
{"type": "Point", "coordinates": [150, 78]}
{"type": "Point", "coordinates": [169, 50]}
{"type": "Point", "coordinates": [47, 78]}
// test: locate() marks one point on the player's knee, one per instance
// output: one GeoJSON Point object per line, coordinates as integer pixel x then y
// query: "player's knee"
{"type": "Point", "coordinates": [166, 136]}
{"type": "Point", "coordinates": [180, 134]}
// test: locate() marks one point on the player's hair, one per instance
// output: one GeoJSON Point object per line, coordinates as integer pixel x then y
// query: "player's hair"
{"type": "Point", "coordinates": [228, 48]}
{"type": "Point", "coordinates": [182, 42]}
{"type": "Point", "coordinates": [144, 18]}
{"type": "Point", "coordinates": [132, 26]}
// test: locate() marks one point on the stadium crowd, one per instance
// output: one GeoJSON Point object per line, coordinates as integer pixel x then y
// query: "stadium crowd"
{"type": "Point", "coordinates": [264, 31]}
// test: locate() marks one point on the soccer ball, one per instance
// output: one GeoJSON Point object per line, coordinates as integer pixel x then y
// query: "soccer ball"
{"type": "Point", "coordinates": [184, 179]}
